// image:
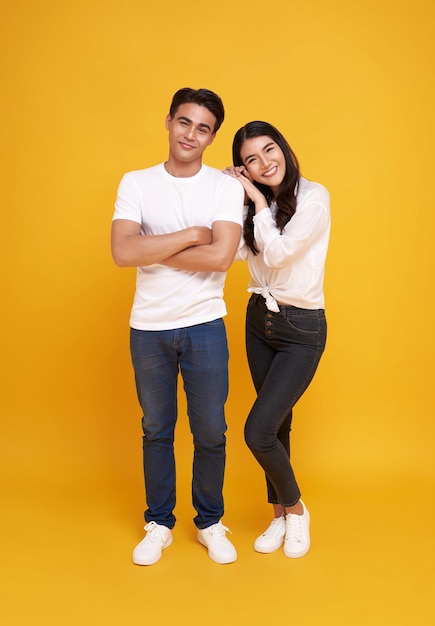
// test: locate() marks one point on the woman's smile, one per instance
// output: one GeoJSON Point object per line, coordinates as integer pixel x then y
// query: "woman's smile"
{"type": "Point", "coordinates": [271, 172]}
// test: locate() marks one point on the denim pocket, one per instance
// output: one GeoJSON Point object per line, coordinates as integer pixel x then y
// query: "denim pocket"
{"type": "Point", "coordinates": [304, 326]}
{"type": "Point", "coordinates": [303, 323]}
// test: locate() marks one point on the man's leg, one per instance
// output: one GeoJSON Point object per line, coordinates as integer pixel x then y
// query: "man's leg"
{"type": "Point", "coordinates": [155, 365]}
{"type": "Point", "coordinates": [204, 367]}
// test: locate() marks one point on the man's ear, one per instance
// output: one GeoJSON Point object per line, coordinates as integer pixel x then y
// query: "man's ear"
{"type": "Point", "coordinates": [212, 139]}
{"type": "Point", "coordinates": [168, 119]}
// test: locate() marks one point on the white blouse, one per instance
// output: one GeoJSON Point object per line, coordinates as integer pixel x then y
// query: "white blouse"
{"type": "Point", "coordinates": [290, 267]}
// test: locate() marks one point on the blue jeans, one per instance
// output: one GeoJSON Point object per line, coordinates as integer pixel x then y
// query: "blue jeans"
{"type": "Point", "coordinates": [200, 353]}
{"type": "Point", "coordinates": [283, 351]}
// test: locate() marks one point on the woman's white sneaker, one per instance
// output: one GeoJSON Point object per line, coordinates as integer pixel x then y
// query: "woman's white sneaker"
{"type": "Point", "coordinates": [297, 534]}
{"type": "Point", "coordinates": [149, 550]}
{"type": "Point", "coordinates": [272, 537]}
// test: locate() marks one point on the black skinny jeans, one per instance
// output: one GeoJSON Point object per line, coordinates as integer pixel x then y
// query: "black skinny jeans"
{"type": "Point", "coordinates": [284, 350]}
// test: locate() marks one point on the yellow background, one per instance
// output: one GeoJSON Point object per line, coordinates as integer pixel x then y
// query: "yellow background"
{"type": "Point", "coordinates": [85, 89]}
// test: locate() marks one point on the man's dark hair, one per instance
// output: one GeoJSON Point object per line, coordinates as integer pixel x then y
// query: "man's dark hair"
{"type": "Point", "coordinates": [203, 97]}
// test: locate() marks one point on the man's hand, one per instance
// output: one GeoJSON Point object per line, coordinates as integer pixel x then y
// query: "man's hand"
{"type": "Point", "coordinates": [215, 257]}
{"type": "Point", "coordinates": [204, 235]}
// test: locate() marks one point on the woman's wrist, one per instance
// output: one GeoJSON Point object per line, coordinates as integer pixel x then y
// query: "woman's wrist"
{"type": "Point", "coordinates": [260, 204]}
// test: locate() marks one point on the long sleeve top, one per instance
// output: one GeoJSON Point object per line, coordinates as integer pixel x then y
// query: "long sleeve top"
{"type": "Point", "coordinates": [290, 266]}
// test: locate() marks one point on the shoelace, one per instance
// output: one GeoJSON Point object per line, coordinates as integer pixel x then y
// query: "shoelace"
{"type": "Point", "coordinates": [154, 533]}
{"type": "Point", "coordinates": [275, 528]}
{"type": "Point", "coordinates": [217, 531]}
{"type": "Point", "coordinates": [294, 528]}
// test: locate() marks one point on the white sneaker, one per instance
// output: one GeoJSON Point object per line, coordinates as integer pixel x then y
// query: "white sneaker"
{"type": "Point", "coordinates": [272, 537]}
{"type": "Point", "coordinates": [149, 550]}
{"type": "Point", "coordinates": [220, 549]}
{"type": "Point", "coordinates": [297, 534]}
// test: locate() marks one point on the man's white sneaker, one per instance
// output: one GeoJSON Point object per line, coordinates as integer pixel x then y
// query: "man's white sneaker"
{"type": "Point", "coordinates": [297, 534]}
{"type": "Point", "coordinates": [272, 537]}
{"type": "Point", "coordinates": [149, 550]}
{"type": "Point", "coordinates": [220, 549]}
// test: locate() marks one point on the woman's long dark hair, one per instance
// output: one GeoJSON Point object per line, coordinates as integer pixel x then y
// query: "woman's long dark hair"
{"type": "Point", "coordinates": [286, 197]}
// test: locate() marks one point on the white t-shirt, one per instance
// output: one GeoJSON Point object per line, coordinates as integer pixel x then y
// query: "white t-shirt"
{"type": "Point", "coordinates": [290, 267]}
{"type": "Point", "coordinates": [168, 298]}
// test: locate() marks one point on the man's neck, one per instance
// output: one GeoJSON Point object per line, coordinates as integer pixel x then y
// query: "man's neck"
{"type": "Point", "coordinates": [179, 169]}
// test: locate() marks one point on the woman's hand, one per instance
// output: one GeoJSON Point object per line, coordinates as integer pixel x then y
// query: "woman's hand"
{"type": "Point", "coordinates": [237, 170]}
{"type": "Point", "coordinates": [241, 173]}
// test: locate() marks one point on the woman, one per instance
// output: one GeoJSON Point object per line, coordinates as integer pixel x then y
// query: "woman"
{"type": "Point", "coordinates": [286, 232]}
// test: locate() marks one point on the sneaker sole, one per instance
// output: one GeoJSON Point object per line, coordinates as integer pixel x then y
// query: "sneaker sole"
{"type": "Point", "coordinates": [267, 550]}
{"type": "Point", "coordinates": [297, 555]}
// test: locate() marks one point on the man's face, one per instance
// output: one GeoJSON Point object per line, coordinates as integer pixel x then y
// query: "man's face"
{"type": "Point", "coordinates": [191, 130]}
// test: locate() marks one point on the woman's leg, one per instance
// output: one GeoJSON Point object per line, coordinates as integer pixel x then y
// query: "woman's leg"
{"type": "Point", "coordinates": [284, 350]}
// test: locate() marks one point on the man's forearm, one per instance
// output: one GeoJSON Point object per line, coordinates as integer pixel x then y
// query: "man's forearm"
{"type": "Point", "coordinates": [130, 249]}
{"type": "Point", "coordinates": [200, 259]}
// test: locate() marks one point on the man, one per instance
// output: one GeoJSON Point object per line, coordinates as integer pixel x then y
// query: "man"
{"type": "Point", "coordinates": [179, 223]}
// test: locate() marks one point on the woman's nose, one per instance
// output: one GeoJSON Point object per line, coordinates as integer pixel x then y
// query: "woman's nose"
{"type": "Point", "coordinates": [264, 160]}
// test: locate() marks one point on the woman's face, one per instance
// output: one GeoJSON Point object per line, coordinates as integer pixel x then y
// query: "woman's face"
{"type": "Point", "coordinates": [264, 160]}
